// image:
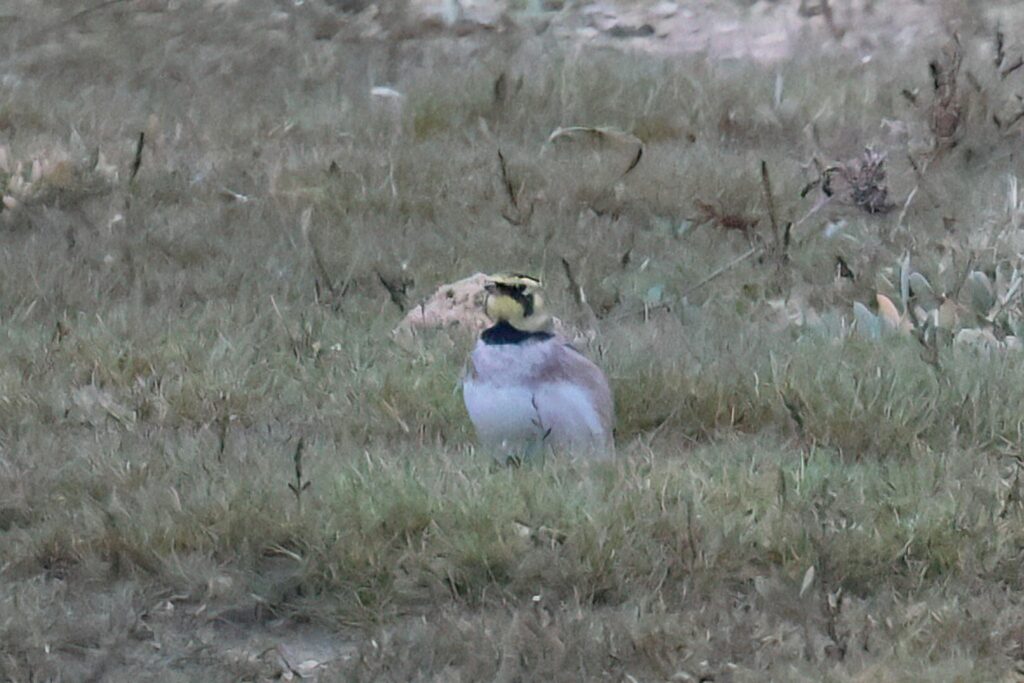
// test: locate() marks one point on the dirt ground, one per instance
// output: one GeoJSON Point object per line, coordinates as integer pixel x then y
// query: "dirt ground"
{"type": "Point", "coordinates": [765, 31]}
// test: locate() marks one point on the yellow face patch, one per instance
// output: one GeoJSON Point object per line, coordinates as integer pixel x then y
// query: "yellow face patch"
{"type": "Point", "coordinates": [503, 307]}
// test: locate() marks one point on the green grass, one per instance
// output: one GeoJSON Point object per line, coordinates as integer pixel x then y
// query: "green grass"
{"type": "Point", "coordinates": [790, 502]}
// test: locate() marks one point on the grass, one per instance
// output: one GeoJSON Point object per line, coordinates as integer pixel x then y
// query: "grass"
{"type": "Point", "coordinates": [791, 501]}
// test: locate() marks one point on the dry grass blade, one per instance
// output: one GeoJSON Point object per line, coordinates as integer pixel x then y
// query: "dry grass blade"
{"type": "Point", "coordinates": [779, 242]}
{"type": "Point", "coordinates": [397, 288]}
{"type": "Point", "coordinates": [501, 89]}
{"type": "Point", "coordinates": [824, 10]}
{"type": "Point", "coordinates": [946, 115]}
{"type": "Point", "coordinates": [514, 213]}
{"type": "Point", "coordinates": [1006, 125]}
{"type": "Point", "coordinates": [1010, 68]}
{"type": "Point", "coordinates": [35, 37]}
{"type": "Point", "coordinates": [577, 293]}
{"type": "Point", "coordinates": [506, 182]}
{"type": "Point", "coordinates": [602, 135]}
{"type": "Point", "coordinates": [305, 223]}
{"type": "Point", "coordinates": [721, 271]}
{"type": "Point", "coordinates": [574, 287]}
{"type": "Point", "coordinates": [299, 486]}
{"type": "Point", "coordinates": [137, 159]}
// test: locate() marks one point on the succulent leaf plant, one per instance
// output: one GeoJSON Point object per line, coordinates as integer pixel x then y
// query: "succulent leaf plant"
{"type": "Point", "coordinates": [985, 312]}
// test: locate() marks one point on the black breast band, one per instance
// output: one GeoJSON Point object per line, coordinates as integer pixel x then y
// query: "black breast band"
{"type": "Point", "coordinates": [504, 333]}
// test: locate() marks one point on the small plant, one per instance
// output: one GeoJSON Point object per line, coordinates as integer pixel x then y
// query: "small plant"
{"type": "Point", "coordinates": [299, 485]}
{"type": "Point", "coordinates": [38, 179]}
{"type": "Point", "coordinates": [990, 317]}
{"type": "Point", "coordinates": [724, 220]}
{"type": "Point", "coordinates": [860, 181]}
{"type": "Point", "coordinates": [948, 106]}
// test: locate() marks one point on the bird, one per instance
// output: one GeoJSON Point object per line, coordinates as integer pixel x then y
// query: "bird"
{"type": "Point", "coordinates": [526, 388]}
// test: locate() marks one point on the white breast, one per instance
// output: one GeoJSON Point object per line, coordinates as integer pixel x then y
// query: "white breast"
{"type": "Point", "coordinates": [502, 415]}
{"type": "Point", "coordinates": [512, 406]}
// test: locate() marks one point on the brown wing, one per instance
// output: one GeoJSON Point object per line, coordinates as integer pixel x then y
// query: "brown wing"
{"type": "Point", "coordinates": [568, 364]}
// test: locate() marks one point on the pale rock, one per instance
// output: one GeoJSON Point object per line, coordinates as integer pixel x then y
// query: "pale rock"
{"type": "Point", "coordinates": [458, 307]}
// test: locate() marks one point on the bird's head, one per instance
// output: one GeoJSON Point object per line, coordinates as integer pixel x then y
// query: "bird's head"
{"type": "Point", "coordinates": [516, 299]}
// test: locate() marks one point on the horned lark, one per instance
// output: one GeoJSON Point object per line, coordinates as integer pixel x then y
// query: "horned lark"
{"type": "Point", "coordinates": [526, 387]}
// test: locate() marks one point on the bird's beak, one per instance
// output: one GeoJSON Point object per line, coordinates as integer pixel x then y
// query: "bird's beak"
{"type": "Point", "coordinates": [491, 288]}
